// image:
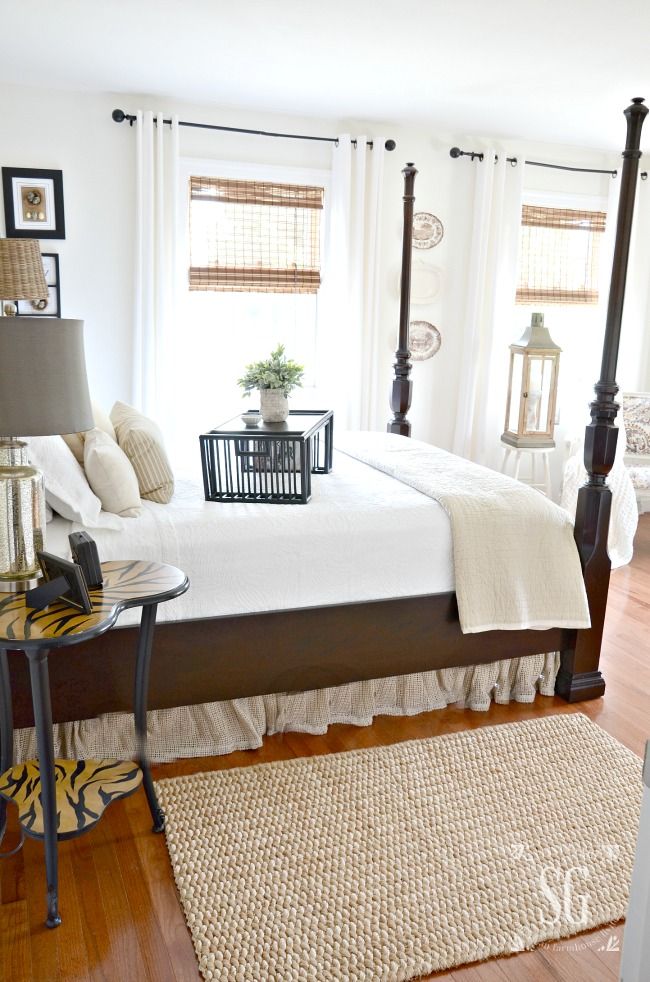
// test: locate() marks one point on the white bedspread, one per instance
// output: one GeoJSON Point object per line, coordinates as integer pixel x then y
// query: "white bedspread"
{"type": "Point", "coordinates": [363, 536]}
{"type": "Point", "coordinates": [516, 564]}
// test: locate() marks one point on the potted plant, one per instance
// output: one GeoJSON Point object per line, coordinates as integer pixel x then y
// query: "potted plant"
{"type": "Point", "coordinates": [275, 378]}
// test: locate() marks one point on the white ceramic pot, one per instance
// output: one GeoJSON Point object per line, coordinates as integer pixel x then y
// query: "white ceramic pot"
{"type": "Point", "coordinates": [274, 405]}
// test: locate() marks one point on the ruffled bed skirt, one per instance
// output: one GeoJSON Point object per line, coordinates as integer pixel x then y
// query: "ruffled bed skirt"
{"type": "Point", "coordinates": [240, 724]}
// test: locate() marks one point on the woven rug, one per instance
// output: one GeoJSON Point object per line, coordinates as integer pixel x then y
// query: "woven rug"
{"type": "Point", "coordinates": [397, 861]}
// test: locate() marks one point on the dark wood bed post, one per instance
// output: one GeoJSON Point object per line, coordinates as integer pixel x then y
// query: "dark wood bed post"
{"type": "Point", "coordinates": [579, 677]}
{"type": "Point", "coordinates": [402, 387]}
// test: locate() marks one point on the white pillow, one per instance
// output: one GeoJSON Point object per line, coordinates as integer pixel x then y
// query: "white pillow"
{"type": "Point", "coordinates": [142, 442]}
{"type": "Point", "coordinates": [110, 474]}
{"type": "Point", "coordinates": [66, 489]}
{"type": "Point", "coordinates": [76, 440]}
{"type": "Point", "coordinates": [103, 421]}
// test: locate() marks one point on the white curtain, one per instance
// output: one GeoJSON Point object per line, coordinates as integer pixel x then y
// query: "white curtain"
{"type": "Point", "coordinates": [155, 262]}
{"type": "Point", "coordinates": [348, 352]}
{"type": "Point", "coordinates": [489, 323]}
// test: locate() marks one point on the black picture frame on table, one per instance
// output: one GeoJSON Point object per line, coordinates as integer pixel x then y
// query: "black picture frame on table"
{"type": "Point", "coordinates": [52, 306]}
{"type": "Point", "coordinates": [46, 187]}
{"type": "Point", "coordinates": [73, 589]}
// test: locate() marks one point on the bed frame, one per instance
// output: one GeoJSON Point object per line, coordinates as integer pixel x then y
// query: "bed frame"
{"type": "Point", "coordinates": [289, 650]}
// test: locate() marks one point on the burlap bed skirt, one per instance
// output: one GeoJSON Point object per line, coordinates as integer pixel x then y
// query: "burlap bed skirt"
{"type": "Point", "coordinates": [240, 724]}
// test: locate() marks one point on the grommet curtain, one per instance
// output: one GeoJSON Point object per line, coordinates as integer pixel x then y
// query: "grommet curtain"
{"type": "Point", "coordinates": [488, 323]}
{"type": "Point", "coordinates": [349, 355]}
{"type": "Point", "coordinates": [155, 264]}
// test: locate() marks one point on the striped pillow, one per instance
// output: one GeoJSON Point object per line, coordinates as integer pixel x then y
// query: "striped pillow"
{"type": "Point", "coordinates": [142, 442]}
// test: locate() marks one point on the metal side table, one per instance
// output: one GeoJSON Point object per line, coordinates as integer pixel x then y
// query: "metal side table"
{"type": "Point", "coordinates": [60, 799]}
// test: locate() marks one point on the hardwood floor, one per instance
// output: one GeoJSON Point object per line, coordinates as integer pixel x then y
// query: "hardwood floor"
{"type": "Point", "coordinates": [122, 921]}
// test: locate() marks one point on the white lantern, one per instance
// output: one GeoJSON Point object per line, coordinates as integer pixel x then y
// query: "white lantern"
{"type": "Point", "coordinates": [532, 388]}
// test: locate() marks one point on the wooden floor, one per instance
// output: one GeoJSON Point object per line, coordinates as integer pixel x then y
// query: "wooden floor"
{"type": "Point", "coordinates": [122, 921]}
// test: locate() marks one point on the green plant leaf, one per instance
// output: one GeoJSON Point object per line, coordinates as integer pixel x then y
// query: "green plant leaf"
{"type": "Point", "coordinates": [277, 372]}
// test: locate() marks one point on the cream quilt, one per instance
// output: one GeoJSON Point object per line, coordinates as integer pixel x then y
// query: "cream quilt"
{"type": "Point", "coordinates": [515, 561]}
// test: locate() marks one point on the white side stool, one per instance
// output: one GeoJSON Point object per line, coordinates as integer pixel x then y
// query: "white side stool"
{"type": "Point", "coordinates": [535, 452]}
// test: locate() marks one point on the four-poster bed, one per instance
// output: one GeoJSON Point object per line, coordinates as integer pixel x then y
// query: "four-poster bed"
{"type": "Point", "coordinates": [228, 657]}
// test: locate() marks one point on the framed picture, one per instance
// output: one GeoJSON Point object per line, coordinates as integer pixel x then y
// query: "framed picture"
{"type": "Point", "coordinates": [76, 595]}
{"type": "Point", "coordinates": [33, 201]}
{"type": "Point", "coordinates": [52, 306]}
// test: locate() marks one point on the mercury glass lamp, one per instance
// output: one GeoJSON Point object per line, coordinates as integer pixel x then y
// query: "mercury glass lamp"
{"type": "Point", "coordinates": [532, 388]}
{"type": "Point", "coordinates": [43, 391]}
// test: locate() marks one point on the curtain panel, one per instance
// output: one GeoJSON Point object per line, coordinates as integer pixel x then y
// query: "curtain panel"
{"type": "Point", "coordinates": [488, 325]}
{"type": "Point", "coordinates": [348, 343]}
{"type": "Point", "coordinates": [156, 267]}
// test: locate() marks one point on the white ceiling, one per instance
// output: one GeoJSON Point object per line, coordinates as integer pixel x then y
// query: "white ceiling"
{"type": "Point", "coordinates": [552, 70]}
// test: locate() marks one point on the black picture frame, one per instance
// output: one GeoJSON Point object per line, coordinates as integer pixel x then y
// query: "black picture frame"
{"type": "Point", "coordinates": [17, 182]}
{"type": "Point", "coordinates": [51, 307]}
{"type": "Point", "coordinates": [76, 595]}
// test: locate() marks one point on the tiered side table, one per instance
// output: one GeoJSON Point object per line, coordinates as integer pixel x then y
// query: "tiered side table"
{"type": "Point", "coordinates": [59, 799]}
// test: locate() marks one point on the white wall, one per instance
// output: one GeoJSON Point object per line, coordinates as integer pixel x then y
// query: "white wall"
{"type": "Point", "coordinates": [446, 190]}
{"type": "Point", "coordinates": [74, 132]}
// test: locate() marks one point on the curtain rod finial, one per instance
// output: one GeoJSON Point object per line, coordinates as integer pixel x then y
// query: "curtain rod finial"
{"type": "Point", "coordinates": [118, 115]}
{"type": "Point", "coordinates": [390, 144]}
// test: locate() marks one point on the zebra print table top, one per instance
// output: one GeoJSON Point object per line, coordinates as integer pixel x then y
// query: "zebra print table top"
{"type": "Point", "coordinates": [127, 583]}
{"type": "Point", "coordinates": [84, 790]}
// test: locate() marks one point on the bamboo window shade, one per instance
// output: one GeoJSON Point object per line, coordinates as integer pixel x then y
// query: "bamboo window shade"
{"type": "Point", "coordinates": [559, 255]}
{"type": "Point", "coordinates": [254, 236]}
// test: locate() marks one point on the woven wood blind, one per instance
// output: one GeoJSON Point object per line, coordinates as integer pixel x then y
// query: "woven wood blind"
{"type": "Point", "coordinates": [254, 236]}
{"type": "Point", "coordinates": [559, 255]}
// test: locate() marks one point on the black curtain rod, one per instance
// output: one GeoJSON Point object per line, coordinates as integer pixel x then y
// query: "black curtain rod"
{"type": "Point", "coordinates": [119, 116]}
{"type": "Point", "coordinates": [457, 152]}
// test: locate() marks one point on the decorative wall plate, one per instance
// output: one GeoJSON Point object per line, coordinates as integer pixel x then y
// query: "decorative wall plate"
{"type": "Point", "coordinates": [425, 282]}
{"type": "Point", "coordinates": [428, 230]}
{"type": "Point", "coordinates": [424, 340]}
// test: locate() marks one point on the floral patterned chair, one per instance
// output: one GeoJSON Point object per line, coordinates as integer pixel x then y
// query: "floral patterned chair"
{"type": "Point", "coordinates": [636, 415]}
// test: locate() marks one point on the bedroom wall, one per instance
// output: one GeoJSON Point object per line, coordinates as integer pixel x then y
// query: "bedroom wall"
{"type": "Point", "coordinates": [69, 131]}
{"type": "Point", "coordinates": [74, 132]}
{"type": "Point", "coordinates": [445, 186]}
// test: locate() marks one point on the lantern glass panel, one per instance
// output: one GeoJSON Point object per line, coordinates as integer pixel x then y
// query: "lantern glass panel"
{"type": "Point", "coordinates": [540, 378]}
{"type": "Point", "coordinates": [515, 391]}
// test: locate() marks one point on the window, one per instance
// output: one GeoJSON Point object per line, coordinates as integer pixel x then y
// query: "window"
{"type": "Point", "coordinates": [563, 273]}
{"type": "Point", "coordinates": [253, 236]}
{"type": "Point", "coordinates": [251, 259]}
{"type": "Point", "coordinates": [559, 258]}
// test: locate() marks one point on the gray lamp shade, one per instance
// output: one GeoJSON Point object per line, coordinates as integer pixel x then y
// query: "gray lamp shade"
{"type": "Point", "coordinates": [43, 383]}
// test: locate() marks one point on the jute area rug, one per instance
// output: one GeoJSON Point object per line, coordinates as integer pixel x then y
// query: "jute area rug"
{"type": "Point", "coordinates": [394, 862]}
